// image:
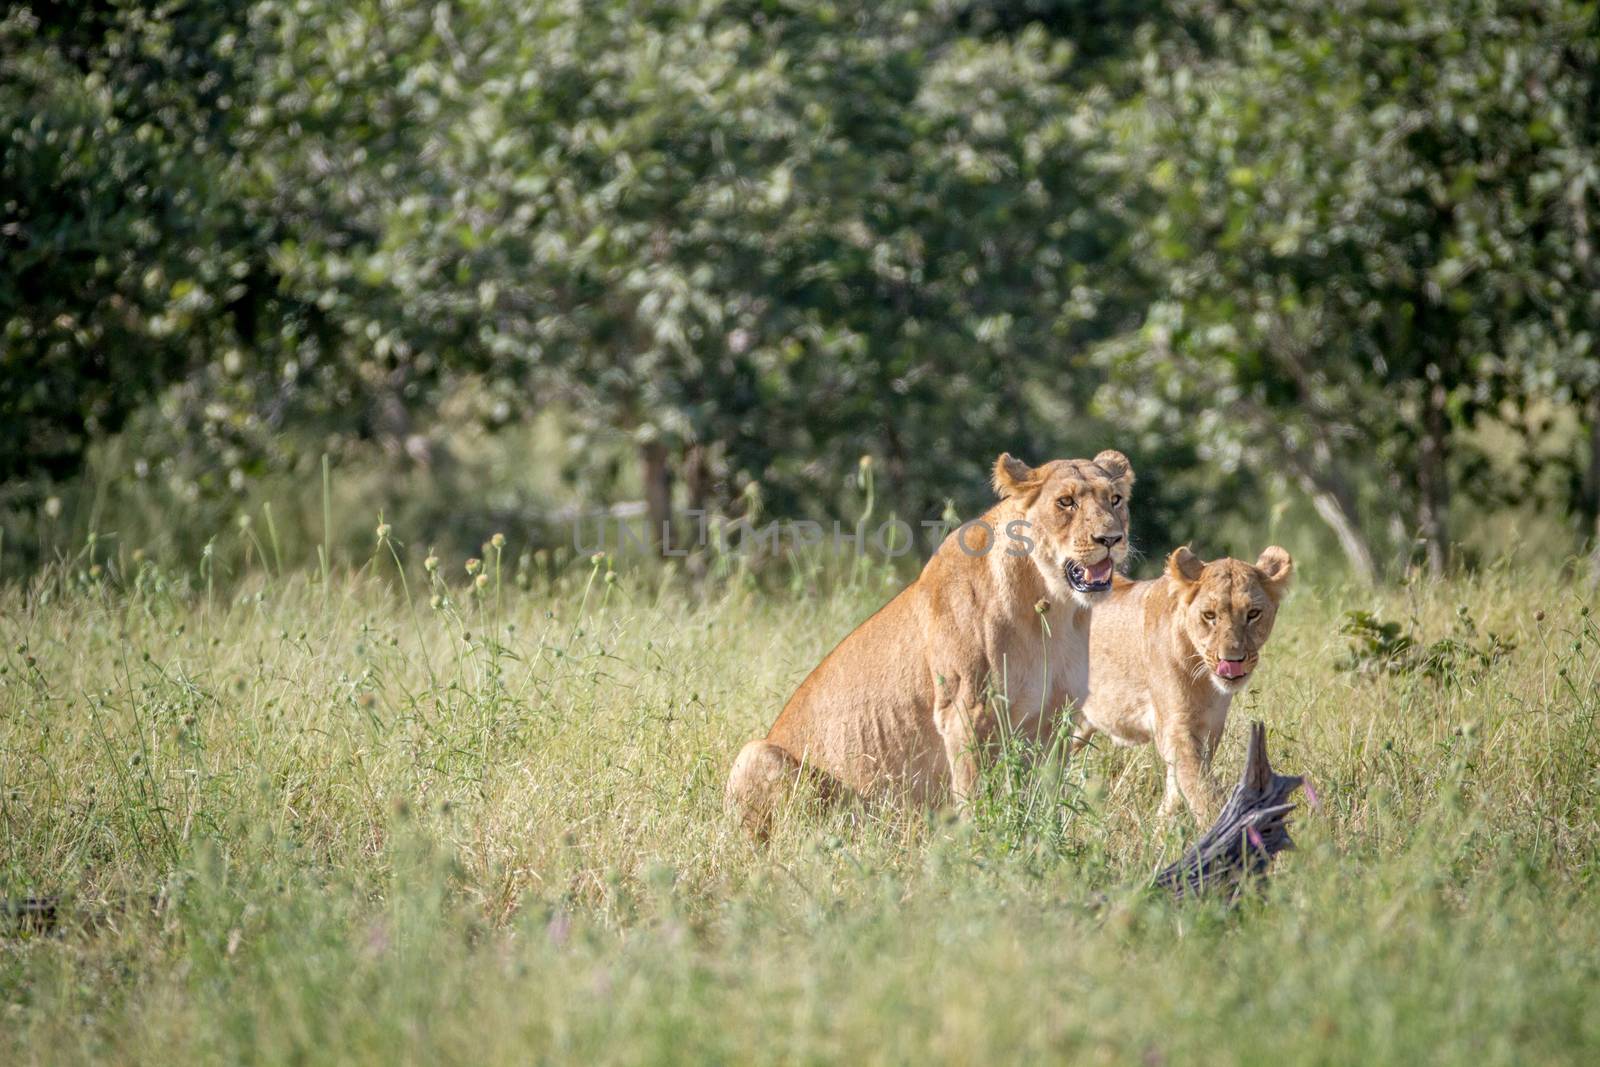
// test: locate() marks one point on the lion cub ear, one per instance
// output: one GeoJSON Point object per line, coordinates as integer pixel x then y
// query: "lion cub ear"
{"type": "Point", "coordinates": [1116, 466]}
{"type": "Point", "coordinates": [1184, 567]}
{"type": "Point", "coordinates": [1275, 567]}
{"type": "Point", "coordinates": [1012, 477]}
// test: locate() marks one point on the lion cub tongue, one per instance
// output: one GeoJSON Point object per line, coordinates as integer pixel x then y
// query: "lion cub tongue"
{"type": "Point", "coordinates": [1100, 572]}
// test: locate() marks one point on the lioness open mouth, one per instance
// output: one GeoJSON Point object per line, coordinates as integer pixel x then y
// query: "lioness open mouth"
{"type": "Point", "coordinates": [1095, 578]}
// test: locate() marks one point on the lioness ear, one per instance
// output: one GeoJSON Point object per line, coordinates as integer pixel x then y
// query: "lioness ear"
{"type": "Point", "coordinates": [1275, 567]}
{"type": "Point", "coordinates": [1012, 476]}
{"type": "Point", "coordinates": [1184, 567]}
{"type": "Point", "coordinates": [1116, 465]}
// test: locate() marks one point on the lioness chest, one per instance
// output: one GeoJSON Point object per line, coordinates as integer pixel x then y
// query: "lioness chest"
{"type": "Point", "coordinates": [1039, 678]}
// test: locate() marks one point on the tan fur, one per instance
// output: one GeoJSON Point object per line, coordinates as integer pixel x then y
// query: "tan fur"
{"type": "Point", "coordinates": [900, 705]}
{"type": "Point", "coordinates": [1153, 660]}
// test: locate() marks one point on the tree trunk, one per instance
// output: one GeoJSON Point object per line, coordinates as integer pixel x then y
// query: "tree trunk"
{"type": "Point", "coordinates": [1316, 471]}
{"type": "Point", "coordinates": [1339, 515]}
{"type": "Point", "coordinates": [1433, 511]}
{"type": "Point", "coordinates": [1335, 504]}
{"type": "Point", "coordinates": [697, 483]}
{"type": "Point", "coordinates": [1591, 489]}
{"type": "Point", "coordinates": [657, 491]}
{"type": "Point", "coordinates": [697, 476]}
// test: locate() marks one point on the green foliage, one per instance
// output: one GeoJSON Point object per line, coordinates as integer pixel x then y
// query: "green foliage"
{"type": "Point", "coordinates": [762, 241]}
{"type": "Point", "coordinates": [1288, 249]}
{"type": "Point", "coordinates": [1385, 647]}
{"type": "Point", "coordinates": [1376, 646]}
{"type": "Point", "coordinates": [120, 251]}
{"type": "Point", "coordinates": [1365, 225]}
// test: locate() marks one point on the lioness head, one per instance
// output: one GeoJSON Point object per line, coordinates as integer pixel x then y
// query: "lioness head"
{"type": "Point", "coordinates": [1077, 516]}
{"type": "Point", "coordinates": [1227, 607]}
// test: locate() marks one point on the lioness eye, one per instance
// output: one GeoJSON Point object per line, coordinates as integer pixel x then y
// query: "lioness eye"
{"type": "Point", "coordinates": [1066, 503]}
{"type": "Point", "coordinates": [1116, 498]}
{"type": "Point", "coordinates": [1253, 614]}
{"type": "Point", "coordinates": [1209, 617]}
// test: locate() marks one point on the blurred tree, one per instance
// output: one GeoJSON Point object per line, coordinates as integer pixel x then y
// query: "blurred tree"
{"type": "Point", "coordinates": [1352, 219]}
{"type": "Point", "coordinates": [755, 241]}
{"type": "Point", "coordinates": [120, 251]}
{"type": "Point", "coordinates": [766, 237]}
{"type": "Point", "coordinates": [137, 257]}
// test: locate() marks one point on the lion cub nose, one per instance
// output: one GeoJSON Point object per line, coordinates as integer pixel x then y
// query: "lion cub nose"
{"type": "Point", "coordinates": [1108, 539]}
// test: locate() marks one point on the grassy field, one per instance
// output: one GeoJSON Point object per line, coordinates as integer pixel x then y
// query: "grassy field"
{"type": "Point", "coordinates": [488, 829]}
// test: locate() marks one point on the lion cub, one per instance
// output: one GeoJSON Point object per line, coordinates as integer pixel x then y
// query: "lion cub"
{"type": "Point", "coordinates": [1166, 657]}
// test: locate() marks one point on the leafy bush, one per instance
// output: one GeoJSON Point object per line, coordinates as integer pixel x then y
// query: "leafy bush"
{"type": "Point", "coordinates": [1385, 647]}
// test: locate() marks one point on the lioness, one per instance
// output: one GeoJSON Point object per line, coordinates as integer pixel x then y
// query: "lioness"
{"type": "Point", "coordinates": [900, 704]}
{"type": "Point", "coordinates": [1167, 656]}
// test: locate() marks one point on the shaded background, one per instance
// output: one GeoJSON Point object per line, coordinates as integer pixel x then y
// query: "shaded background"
{"type": "Point", "coordinates": [1326, 272]}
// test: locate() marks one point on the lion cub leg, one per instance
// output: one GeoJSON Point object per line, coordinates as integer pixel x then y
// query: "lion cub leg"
{"type": "Point", "coordinates": [763, 780]}
{"type": "Point", "coordinates": [1187, 753]}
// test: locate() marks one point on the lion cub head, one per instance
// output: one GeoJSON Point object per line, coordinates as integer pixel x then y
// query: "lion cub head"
{"type": "Point", "coordinates": [1227, 607]}
{"type": "Point", "coordinates": [1077, 518]}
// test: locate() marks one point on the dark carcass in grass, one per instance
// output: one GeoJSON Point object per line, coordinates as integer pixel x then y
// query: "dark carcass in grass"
{"type": "Point", "coordinates": [1251, 829]}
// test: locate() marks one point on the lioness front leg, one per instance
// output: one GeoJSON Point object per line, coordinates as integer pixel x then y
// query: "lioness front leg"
{"type": "Point", "coordinates": [957, 724]}
{"type": "Point", "coordinates": [1188, 760]}
{"type": "Point", "coordinates": [1082, 732]}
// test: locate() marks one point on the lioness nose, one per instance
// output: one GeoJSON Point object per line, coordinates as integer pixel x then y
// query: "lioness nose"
{"type": "Point", "coordinates": [1108, 539]}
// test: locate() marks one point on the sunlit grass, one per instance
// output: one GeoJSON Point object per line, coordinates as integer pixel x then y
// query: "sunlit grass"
{"type": "Point", "coordinates": [315, 824]}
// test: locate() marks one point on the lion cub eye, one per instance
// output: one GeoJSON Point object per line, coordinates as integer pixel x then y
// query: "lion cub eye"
{"type": "Point", "coordinates": [1066, 503]}
{"type": "Point", "coordinates": [1208, 617]}
{"type": "Point", "coordinates": [1252, 615]}
{"type": "Point", "coordinates": [1116, 498]}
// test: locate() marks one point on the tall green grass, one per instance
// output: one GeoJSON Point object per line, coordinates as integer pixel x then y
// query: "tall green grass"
{"type": "Point", "coordinates": [453, 822]}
